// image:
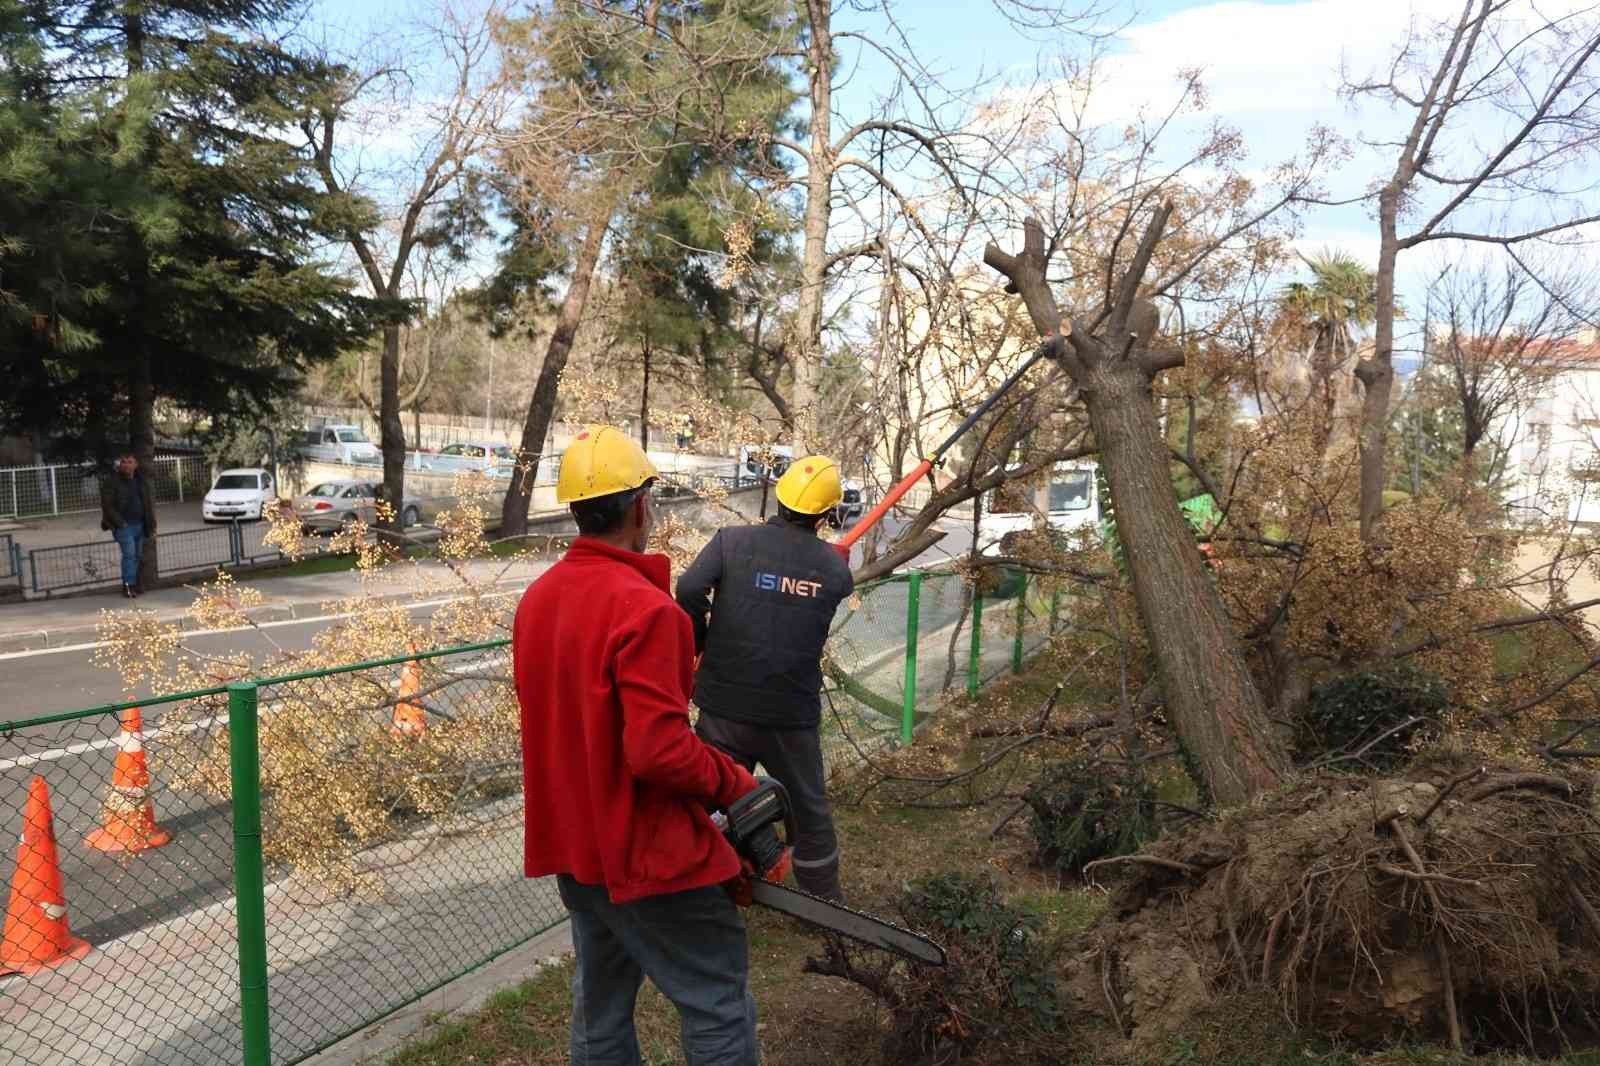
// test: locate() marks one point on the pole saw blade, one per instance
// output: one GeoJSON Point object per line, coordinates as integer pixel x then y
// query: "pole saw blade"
{"type": "Point", "coordinates": [863, 928]}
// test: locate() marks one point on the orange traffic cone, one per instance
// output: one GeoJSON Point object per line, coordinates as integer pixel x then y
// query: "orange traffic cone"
{"type": "Point", "coordinates": [36, 933]}
{"type": "Point", "coordinates": [130, 816]}
{"type": "Point", "coordinates": [409, 717]}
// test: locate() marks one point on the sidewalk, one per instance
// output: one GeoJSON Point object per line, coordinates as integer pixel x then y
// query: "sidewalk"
{"type": "Point", "coordinates": [36, 624]}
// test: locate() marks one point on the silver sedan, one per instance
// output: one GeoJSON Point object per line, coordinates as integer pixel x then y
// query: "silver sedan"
{"type": "Point", "coordinates": [330, 504]}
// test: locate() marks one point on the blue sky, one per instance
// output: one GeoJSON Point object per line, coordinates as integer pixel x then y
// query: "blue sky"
{"type": "Point", "coordinates": [1271, 67]}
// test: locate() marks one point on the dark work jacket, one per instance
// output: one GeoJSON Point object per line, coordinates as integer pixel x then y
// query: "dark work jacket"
{"type": "Point", "coordinates": [124, 500]}
{"type": "Point", "coordinates": [776, 589]}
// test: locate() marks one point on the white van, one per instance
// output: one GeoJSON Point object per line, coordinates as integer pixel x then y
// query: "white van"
{"type": "Point", "coordinates": [1068, 503]}
{"type": "Point", "coordinates": [339, 444]}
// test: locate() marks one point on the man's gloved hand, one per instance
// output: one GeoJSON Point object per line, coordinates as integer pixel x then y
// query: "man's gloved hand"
{"type": "Point", "coordinates": [741, 889]}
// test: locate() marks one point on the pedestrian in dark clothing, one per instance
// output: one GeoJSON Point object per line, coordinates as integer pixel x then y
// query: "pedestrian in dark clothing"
{"type": "Point", "coordinates": [759, 687]}
{"type": "Point", "coordinates": [128, 512]}
{"type": "Point", "coordinates": [618, 788]}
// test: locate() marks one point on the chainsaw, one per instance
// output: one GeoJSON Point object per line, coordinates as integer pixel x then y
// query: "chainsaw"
{"type": "Point", "coordinates": [750, 825]}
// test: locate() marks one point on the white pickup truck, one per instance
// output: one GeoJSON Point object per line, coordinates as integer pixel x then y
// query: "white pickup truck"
{"type": "Point", "coordinates": [339, 444]}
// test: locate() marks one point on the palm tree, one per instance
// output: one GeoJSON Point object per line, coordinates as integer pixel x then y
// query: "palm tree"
{"type": "Point", "coordinates": [1340, 298]}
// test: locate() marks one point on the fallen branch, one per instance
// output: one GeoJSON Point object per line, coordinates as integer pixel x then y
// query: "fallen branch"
{"type": "Point", "coordinates": [1006, 818]}
{"type": "Point", "coordinates": [1450, 1014]}
{"type": "Point", "coordinates": [1451, 787]}
{"type": "Point", "coordinates": [1585, 908]}
{"type": "Point", "coordinates": [1401, 871]}
{"type": "Point", "coordinates": [1329, 760]}
{"type": "Point", "coordinates": [1065, 729]}
{"type": "Point", "coordinates": [1147, 860]}
{"type": "Point", "coordinates": [1536, 782]}
{"type": "Point", "coordinates": [1272, 942]}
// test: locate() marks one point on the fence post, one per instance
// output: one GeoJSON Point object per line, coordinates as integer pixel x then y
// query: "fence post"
{"type": "Point", "coordinates": [1022, 620]}
{"type": "Point", "coordinates": [177, 470]}
{"type": "Point", "coordinates": [1055, 609]}
{"type": "Point", "coordinates": [977, 643]}
{"type": "Point", "coordinates": [908, 708]}
{"type": "Point", "coordinates": [244, 757]}
{"type": "Point", "coordinates": [55, 504]}
{"type": "Point", "coordinates": [16, 500]}
{"type": "Point", "coordinates": [236, 542]}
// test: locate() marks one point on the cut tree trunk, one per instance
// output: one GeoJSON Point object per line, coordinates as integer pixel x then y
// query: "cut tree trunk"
{"type": "Point", "coordinates": [542, 407]}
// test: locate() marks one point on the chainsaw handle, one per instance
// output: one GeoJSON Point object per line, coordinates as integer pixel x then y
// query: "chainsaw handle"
{"type": "Point", "coordinates": [750, 819]}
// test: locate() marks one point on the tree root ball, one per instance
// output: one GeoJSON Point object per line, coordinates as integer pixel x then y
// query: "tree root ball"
{"type": "Point", "coordinates": [1447, 902]}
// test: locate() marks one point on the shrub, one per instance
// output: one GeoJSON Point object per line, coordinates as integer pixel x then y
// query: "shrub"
{"type": "Point", "coordinates": [1081, 812]}
{"type": "Point", "coordinates": [1350, 715]}
{"type": "Point", "coordinates": [999, 983]}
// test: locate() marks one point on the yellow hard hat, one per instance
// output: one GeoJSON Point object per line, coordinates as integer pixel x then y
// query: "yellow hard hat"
{"type": "Point", "coordinates": [602, 460]}
{"type": "Point", "coordinates": [811, 485]}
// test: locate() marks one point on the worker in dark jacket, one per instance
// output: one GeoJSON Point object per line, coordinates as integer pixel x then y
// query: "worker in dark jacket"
{"type": "Point", "coordinates": [759, 684]}
{"type": "Point", "coordinates": [128, 513]}
{"type": "Point", "coordinates": [618, 788]}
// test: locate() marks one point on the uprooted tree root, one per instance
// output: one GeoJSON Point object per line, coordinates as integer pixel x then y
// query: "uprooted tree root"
{"type": "Point", "coordinates": [1443, 903]}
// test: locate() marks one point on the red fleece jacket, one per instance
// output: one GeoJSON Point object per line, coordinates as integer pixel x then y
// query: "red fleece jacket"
{"type": "Point", "coordinates": [616, 783]}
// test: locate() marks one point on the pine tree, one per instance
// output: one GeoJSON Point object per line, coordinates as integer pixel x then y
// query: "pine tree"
{"type": "Point", "coordinates": [189, 272]}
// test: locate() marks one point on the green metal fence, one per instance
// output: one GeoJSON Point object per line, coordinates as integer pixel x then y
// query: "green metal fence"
{"type": "Point", "coordinates": [290, 906]}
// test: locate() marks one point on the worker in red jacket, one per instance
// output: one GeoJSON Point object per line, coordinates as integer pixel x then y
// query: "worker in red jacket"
{"type": "Point", "coordinates": [619, 789]}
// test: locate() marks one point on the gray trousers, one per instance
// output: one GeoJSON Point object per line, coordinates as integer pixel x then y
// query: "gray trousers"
{"type": "Point", "coordinates": [691, 945]}
{"type": "Point", "coordinates": [793, 757]}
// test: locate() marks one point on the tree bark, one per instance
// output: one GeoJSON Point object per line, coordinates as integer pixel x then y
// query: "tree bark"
{"type": "Point", "coordinates": [391, 430]}
{"type": "Point", "coordinates": [819, 195]}
{"type": "Point", "coordinates": [644, 403]}
{"type": "Point", "coordinates": [1215, 707]}
{"type": "Point", "coordinates": [541, 408]}
{"type": "Point", "coordinates": [1376, 372]}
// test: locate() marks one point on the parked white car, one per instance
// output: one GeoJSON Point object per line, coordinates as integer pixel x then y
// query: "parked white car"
{"type": "Point", "coordinates": [335, 443]}
{"type": "Point", "coordinates": [238, 495]}
{"type": "Point", "coordinates": [1067, 504]}
{"type": "Point", "coordinates": [471, 455]}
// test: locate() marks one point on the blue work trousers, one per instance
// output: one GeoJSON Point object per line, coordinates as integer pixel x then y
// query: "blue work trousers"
{"type": "Point", "coordinates": [130, 539]}
{"type": "Point", "coordinates": [691, 944]}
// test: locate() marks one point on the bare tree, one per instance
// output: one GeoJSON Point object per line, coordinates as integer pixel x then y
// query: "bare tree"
{"type": "Point", "coordinates": [1502, 335]}
{"type": "Point", "coordinates": [1528, 79]}
{"type": "Point", "coordinates": [454, 122]}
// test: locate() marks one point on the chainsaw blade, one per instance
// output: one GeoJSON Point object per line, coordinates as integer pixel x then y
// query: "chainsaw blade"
{"type": "Point", "coordinates": [836, 918]}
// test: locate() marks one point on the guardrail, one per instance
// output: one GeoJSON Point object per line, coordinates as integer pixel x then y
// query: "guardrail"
{"type": "Point", "coordinates": [98, 562]}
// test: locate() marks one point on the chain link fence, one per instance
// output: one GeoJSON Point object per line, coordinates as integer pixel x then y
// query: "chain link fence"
{"type": "Point", "coordinates": [40, 491]}
{"type": "Point", "coordinates": [277, 864]}
{"type": "Point", "coordinates": [913, 639]}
